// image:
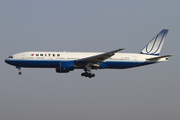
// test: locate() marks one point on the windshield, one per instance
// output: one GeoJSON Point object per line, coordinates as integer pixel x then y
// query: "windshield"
{"type": "Point", "coordinates": [10, 57]}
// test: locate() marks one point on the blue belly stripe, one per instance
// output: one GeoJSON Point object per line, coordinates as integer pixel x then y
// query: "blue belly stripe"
{"type": "Point", "coordinates": [55, 64]}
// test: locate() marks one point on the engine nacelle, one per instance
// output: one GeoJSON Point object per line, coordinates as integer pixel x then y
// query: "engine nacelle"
{"type": "Point", "coordinates": [102, 65]}
{"type": "Point", "coordinates": [65, 67]}
{"type": "Point", "coordinates": [58, 70]}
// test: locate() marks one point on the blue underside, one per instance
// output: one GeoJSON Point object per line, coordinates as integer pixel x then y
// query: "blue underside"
{"type": "Point", "coordinates": [56, 64]}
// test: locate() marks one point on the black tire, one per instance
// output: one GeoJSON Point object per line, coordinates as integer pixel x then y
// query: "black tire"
{"type": "Point", "coordinates": [93, 75]}
{"type": "Point", "coordinates": [86, 74]}
{"type": "Point", "coordinates": [89, 74]}
{"type": "Point", "coordinates": [20, 73]}
{"type": "Point", "coordinates": [82, 74]}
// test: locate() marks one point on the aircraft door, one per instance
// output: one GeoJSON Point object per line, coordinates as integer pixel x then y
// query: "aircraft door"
{"type": "Point", "coordinates": [23, 57]}
{"type": "Point", "coordinates": [134, 58]}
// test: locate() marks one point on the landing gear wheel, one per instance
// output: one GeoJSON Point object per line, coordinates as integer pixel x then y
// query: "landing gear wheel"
{"type": "Point", "coordinates": [89, 75]}
{"type": "Point", "coordinates": [20, 73]}
{"type": "Point", "coordinates": [82, 74]}
{"type": "Point", "coordinates": [86, 74]}
{"type": "Point", "coordinates": [93, 75]}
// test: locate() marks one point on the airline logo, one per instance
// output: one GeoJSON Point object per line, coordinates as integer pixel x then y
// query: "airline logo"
{"type": "Point", "coordinates": [155, 45]}
{"type": "Point", "coordinates": [32, 54]}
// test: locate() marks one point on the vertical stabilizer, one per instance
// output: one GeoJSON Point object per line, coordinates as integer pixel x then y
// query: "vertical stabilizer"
{"type": "Point", "coordinates": [155, 45]}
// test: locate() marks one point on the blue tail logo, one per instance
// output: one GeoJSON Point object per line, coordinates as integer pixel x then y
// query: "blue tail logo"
{"type": "Point", "coordinates": [155, 45]}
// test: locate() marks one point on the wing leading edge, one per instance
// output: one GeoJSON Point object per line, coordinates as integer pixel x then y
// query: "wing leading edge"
{"type": "Point", "coordinates": [100, 57]}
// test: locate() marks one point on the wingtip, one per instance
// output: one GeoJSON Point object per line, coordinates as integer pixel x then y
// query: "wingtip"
{"type": "Point", "coordinates": [121, 49]}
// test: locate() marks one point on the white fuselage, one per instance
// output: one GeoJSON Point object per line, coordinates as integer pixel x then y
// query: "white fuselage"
{"type": "Point", "coordinates": [64, 62]}
{"type": "Point", "coordinates": [45, 59]}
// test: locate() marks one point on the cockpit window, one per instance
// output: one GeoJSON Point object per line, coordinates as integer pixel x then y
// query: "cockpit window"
{"type": "Point", "coordinates": [10, 57]}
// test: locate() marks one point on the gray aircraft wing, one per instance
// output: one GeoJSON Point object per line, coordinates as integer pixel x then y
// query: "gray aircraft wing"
{"type": "Point", "coordinates": [100, 57]}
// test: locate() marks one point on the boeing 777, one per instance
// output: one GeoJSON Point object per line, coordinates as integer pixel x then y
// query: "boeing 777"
{"type": "Point", "coordinates": [63, 62]}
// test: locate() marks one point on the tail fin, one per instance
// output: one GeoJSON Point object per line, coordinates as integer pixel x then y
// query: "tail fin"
{"type": "Point", "coordinates": [155, 45]}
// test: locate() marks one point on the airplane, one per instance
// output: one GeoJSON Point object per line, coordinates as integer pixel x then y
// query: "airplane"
{"type": "Point", "coordinates": [64, 62]}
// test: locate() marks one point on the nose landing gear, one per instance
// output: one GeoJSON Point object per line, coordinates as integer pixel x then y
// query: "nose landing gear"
{"type": "Point", "coordinates": [19, 69]}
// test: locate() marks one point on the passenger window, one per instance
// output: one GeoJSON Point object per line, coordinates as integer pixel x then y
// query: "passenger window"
{"type": "Point", "coordinates": [58, 55]}
{"type": "Point", "coordinates": [41, 55]}
{"type": "Point", "coordinates": [53, 55]}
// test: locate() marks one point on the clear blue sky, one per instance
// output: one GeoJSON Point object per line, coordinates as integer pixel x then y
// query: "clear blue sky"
{"type": "Point", "coordinates": [144, 93]}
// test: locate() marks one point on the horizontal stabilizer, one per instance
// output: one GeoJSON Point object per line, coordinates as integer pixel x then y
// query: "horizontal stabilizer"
{"type": "Point", "coordinates": [157, 58]}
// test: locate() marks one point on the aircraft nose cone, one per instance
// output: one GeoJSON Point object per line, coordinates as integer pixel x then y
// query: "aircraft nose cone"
{"type": "Point", "coordinates": [6, 61]}
{"type": "Point", "coordinates": [9, 61]}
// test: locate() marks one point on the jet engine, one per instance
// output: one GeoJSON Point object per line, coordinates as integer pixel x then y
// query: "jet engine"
{"type": "Point", "coordinates": [65, 67]}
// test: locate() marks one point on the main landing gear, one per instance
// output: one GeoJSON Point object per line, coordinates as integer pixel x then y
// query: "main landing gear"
{"type": "Point", "coordinates": [86, 74]}
{"type": "Point", "coordinates": [19, 69]}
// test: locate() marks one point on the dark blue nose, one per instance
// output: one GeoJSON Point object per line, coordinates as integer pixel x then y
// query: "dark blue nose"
{"type": "Point", "coordinates": [10, 61]}
{"type": "Point", "coordinates": [5, 60]}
